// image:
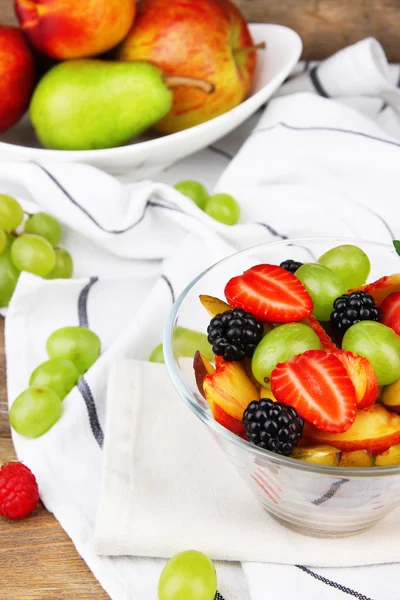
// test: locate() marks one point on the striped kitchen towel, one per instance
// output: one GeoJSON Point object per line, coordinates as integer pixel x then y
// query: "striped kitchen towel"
{"type": "Point", "coordinates": [321, 159]}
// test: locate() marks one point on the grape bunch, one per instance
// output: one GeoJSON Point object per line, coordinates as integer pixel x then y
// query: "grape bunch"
{"type": "Point", "coordinates": [29, 243]}
{"type": "Point", "coordinates": [221, 207]}
{"type": "Point", "coordinates": [72, 351]}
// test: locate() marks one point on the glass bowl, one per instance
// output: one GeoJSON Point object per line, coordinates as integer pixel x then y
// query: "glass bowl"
{"type": "Point", "coordinates": [312, 499]}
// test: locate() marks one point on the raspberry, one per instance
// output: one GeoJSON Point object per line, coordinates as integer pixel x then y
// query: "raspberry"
{"type": "Point", "coordinates": [19, 493]}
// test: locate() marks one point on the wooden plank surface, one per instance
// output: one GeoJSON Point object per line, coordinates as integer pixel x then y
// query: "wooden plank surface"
{"type": "Point", "coordinates": [37, 559]}
{"type": "Point", "coordinates": [324, 25]}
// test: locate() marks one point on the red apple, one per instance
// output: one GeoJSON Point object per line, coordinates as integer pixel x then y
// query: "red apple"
{"type": "Point", "coordinates": [69, 29]}
{"type": "Point", "coordinates": [205, 39]}
{"type": "Point", "coordinates": [17, 75]}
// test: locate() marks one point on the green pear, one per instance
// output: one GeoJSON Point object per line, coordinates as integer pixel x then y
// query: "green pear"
{"type": "Point", "coordinates": [93, 104]}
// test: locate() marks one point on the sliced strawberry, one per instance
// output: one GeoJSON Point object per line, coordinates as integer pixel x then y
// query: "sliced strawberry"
{"type": "Point", "coordinates": [270, 294]}
{"type": "Point", "coordinates": [390, 311]}
{"type": "Point", "coordinates": [324, 338]}
{"type": "Point", "coordinates": [316, 384]}
{"type": "Point", "coordinates": [362, 376]}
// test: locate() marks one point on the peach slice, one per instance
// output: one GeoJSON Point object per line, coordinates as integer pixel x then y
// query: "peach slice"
{"type": "Point", "coordinates": [391, 396]}
{"type": "Point", "coordinates": [326, 342]}
{"type": "Point", "coordinates": [382, 287]}
{"type": "Point", "coordinates": [319, 455]}
{"type": "Point", "coordinates": [356, 458]}
{"type": "Point", "coordinates": [362, 375]}
{"type": "Point", "coordinates": [214, 306]}
{"type": "Point", "coordinates": [201, 367]}
{"type": "Point", "coordinates": [222, 417]}
{"type": "Point", "coordinates": [389, 458]}
{"type": "Point", "coordinates": [266, 392]}
{"type": "Point", "coordinates": [374, 429]}
{"type": "Point", "coordinates": [230, 388]}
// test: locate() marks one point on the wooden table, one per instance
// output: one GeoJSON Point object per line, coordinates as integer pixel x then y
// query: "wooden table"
{"type": "Point", "coordinates": [324, 25]}
{"type": "Point", "coordinates": [37, 559]}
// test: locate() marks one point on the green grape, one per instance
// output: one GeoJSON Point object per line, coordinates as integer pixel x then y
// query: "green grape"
{"type": "Point", "coordinates": [64, 265]}
{"type": "Point", "coordinates": [157, 355]}
{"type": "Point", "coordinates": [9, 275]}
{"type": "Point", "coordinates": [78, 344]}
{"type": "Point", "coordinates": [11, 213]}
{"type": "Point", "coordinates": [45, 225]}
{"type": "Point", "coordinates": [193, 190]}
{"type": "Point", "coordinates": [35, 411]}
{"type": "Point", "coordinates": [34, 254]}
{"type": "Point", "coordinates": [10, 239]}
{"type": "Point", "coordinates": [280, 344]}
{"type": "Point", "coordinates": [379, 344]}
{"type": "Point", "coordinates": [185, 343]}
{"type": "Point", "coordinates": [189, 575]}
{"type": "Point", "coordinates": [349, 262]}
{"type": "Point", "coordinates": [223, 208]}
{"type": "Point", "coordinates": [3, 240]}
{"type": "Point", "coordinates": [58, 374]}
{"type": "Point", "coordinates": [324, 287]}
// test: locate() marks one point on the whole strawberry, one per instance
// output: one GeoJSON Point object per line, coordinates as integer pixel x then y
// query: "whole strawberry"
{"type": "Point", "coordinates": [19, 493]}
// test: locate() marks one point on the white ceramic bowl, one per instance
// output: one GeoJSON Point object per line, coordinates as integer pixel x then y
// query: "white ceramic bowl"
{"type": "Point", "coordinates": [151, 154]}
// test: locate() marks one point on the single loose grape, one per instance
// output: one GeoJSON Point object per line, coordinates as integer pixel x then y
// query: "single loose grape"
{"type": "Point", "coordinates": [157, 355]}
{"type": "Point", "coordinates": [223, 208]}
{"type": "Point", "coordinates": [11, 213]}
{"type": "Point", "coordinates": [188, 575]}
{"type": "Point", "coordinates": [58, 374]}
{"type": "Point", "coordinates": [193, 190]}
{"type": "Point", "coordinates": [379, 344]}
{"type": "Point", "coordinates": [9, 275]}
{"type": "Point", "coordinates": [78, 344]}
{"type": "Point", "coordinates": [64, 266]}
{"type": "Point", "coordinates": [324, 287]}
{"type": "Point", "coordinates": [34, 254]}
{"type": "Point", "coordinates": [349, 262]}
{"type": "Point", "coordinates": [35, 411]}
{"type": "Point", "coordinates": [280, 344]}
{"type": "Point", "coordinates": [45, 225]}
{"type": "Point", "coordinates": [3, 240]}
{"type": "Point", "coordinates": [185, 343]}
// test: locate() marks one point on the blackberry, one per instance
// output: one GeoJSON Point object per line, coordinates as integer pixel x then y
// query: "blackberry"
{"type": "Point", "coordinates": [273, 426]}
{"type": "Point", "coordinates": [291, 265]}
{"type": "Point", "coordinates": [352, 308]}
{"type": "Point", "coordinates": [234, 334]}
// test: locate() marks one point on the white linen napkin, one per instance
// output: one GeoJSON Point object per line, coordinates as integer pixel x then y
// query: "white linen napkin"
{"type": "Point", "coordinates": [167, 485]}
{"type": "Point", "coordinates": [312, 166]}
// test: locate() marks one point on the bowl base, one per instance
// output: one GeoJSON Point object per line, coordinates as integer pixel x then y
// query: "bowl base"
{"type": "Point", "coordinates": [318, 533]}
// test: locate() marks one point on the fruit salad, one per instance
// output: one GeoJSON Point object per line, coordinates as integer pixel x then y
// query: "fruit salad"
{"type": "Point", "coordinates": [306, 360]}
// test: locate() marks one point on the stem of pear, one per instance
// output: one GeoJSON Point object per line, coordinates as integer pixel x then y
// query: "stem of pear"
{"type": "Point", "coordinates": [260, 46]}
{"type": "Point", "coordinates": [205, 86]}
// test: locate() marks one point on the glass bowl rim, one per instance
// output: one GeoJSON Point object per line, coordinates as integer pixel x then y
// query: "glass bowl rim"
{"type": "Point", "coordinates": [220, 430]}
